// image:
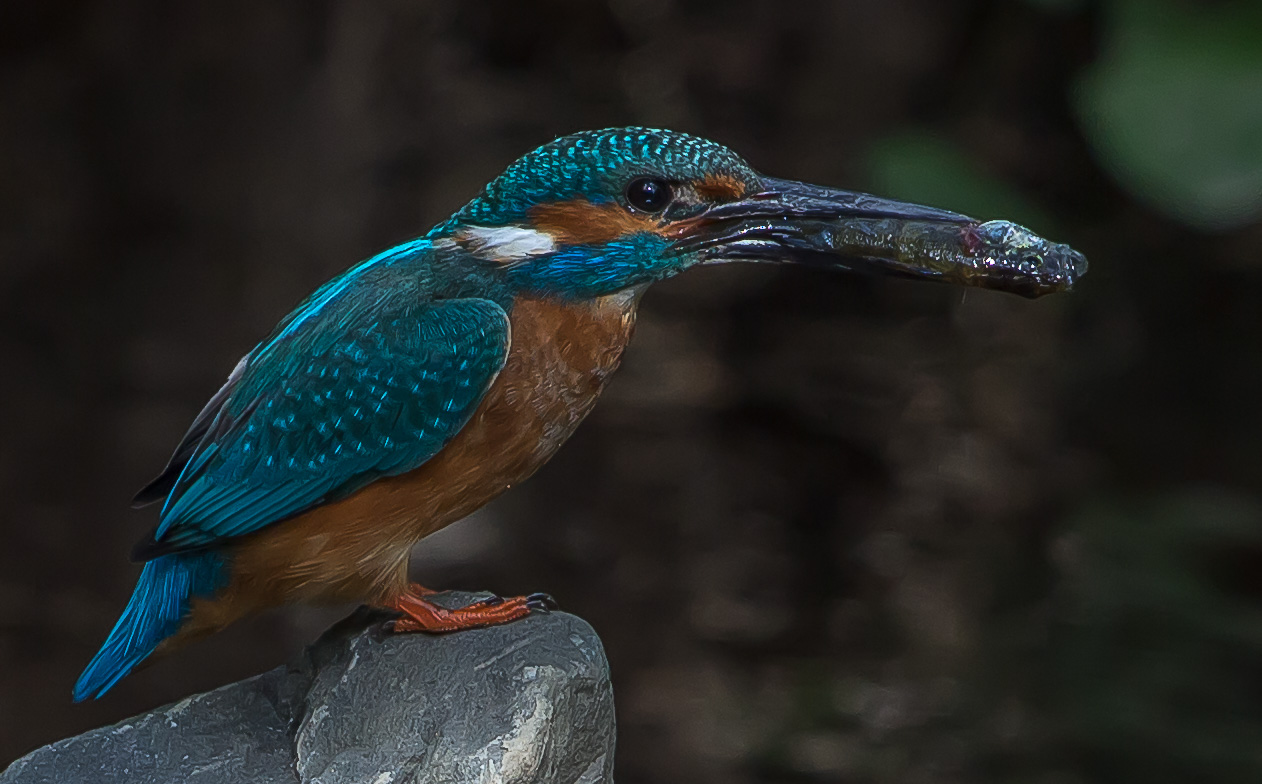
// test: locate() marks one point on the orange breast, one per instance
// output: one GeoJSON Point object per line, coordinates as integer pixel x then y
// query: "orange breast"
{"type": "Point", "coordinates": [356, 549]}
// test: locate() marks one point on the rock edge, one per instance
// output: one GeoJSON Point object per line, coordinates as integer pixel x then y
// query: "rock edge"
{"type": "Point", "coordinates": [525, 702]}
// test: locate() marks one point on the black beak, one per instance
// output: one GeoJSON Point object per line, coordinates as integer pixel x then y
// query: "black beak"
{"type": "Point", "coordinates": [792, 222]}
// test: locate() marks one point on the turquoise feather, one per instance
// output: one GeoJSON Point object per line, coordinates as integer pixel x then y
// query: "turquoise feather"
{"type": "Point", "coordinates": [320, 413]}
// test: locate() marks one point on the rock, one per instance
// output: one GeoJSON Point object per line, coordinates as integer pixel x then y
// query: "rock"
{"type": "Point", "coordinates": [525, 702]}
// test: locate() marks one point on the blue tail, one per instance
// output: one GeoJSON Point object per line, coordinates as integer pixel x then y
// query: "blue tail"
{"type": "Point", "coordinates": [155, 612]}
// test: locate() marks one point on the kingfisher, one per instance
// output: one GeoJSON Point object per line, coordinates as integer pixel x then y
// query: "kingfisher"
{"type": "Point", "coordinates": [419, 384]}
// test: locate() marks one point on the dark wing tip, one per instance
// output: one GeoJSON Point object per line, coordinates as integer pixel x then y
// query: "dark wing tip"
{"type": "Point", "coordinates": [153, 492]}
{"type": "Point", "coordinates": [149, 548]}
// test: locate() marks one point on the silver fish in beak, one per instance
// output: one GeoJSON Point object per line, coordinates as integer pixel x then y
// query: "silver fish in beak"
{"type": "Point", "coordinates": [795, 223]}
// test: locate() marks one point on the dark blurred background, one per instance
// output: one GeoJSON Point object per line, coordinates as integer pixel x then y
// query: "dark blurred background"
{"type": "Point", "coordinates": [829, 528]}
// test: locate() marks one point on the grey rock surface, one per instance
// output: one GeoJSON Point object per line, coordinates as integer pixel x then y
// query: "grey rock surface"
{"type": "Point", "coordinates": [525, 702]}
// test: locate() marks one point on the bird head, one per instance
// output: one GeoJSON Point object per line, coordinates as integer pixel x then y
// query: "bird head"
{"type": "Point", "coordinates": [603, 211]}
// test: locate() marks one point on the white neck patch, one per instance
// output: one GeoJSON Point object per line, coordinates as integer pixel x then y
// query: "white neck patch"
{"type": "Point", "coordinates": [505, 244]}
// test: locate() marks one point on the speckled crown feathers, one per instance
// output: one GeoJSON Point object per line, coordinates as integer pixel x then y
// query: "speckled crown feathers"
{"type": "Point", "coordinates": [594, 165]}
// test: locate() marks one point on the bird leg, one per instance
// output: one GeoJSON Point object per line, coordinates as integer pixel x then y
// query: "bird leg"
{"type": "Point", "coordinates": [422, 615]}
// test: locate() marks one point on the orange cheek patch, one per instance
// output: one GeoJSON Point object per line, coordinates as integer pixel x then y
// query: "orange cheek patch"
{"type": "Point", "coordinates": [580, 222]}
{"type": "Point", "coordinates": [720, 187]}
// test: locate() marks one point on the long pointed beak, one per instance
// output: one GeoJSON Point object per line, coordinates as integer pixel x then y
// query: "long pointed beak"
{"type": "Point", "coordinates": [792, 222]}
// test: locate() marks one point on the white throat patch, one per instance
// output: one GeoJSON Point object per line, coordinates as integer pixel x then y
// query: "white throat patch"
{"type": "Point", "coordinates": [505, 244]}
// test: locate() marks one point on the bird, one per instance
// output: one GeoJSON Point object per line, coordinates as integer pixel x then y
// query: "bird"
{"type": "Point", "coordinates": [419, 384]}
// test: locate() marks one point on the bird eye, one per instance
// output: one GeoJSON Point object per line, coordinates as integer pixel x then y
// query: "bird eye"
{"type": "Point", "coordinates": [648, 194]}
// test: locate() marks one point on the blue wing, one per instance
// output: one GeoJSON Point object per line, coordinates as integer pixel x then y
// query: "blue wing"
{"type": "Point", "coordinates": [372, 384]}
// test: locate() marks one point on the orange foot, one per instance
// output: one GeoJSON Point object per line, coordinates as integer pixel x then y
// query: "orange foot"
{"type": "Point", "coordinates": [422, 615]}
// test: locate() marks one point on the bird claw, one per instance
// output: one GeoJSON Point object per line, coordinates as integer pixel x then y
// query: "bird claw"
{"type": "Point", "coordinates": [535, 602]}
{"type": "Point", "coordinates": [541, 603]}
{"type": "Point", "coordinates": [421, 615]}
